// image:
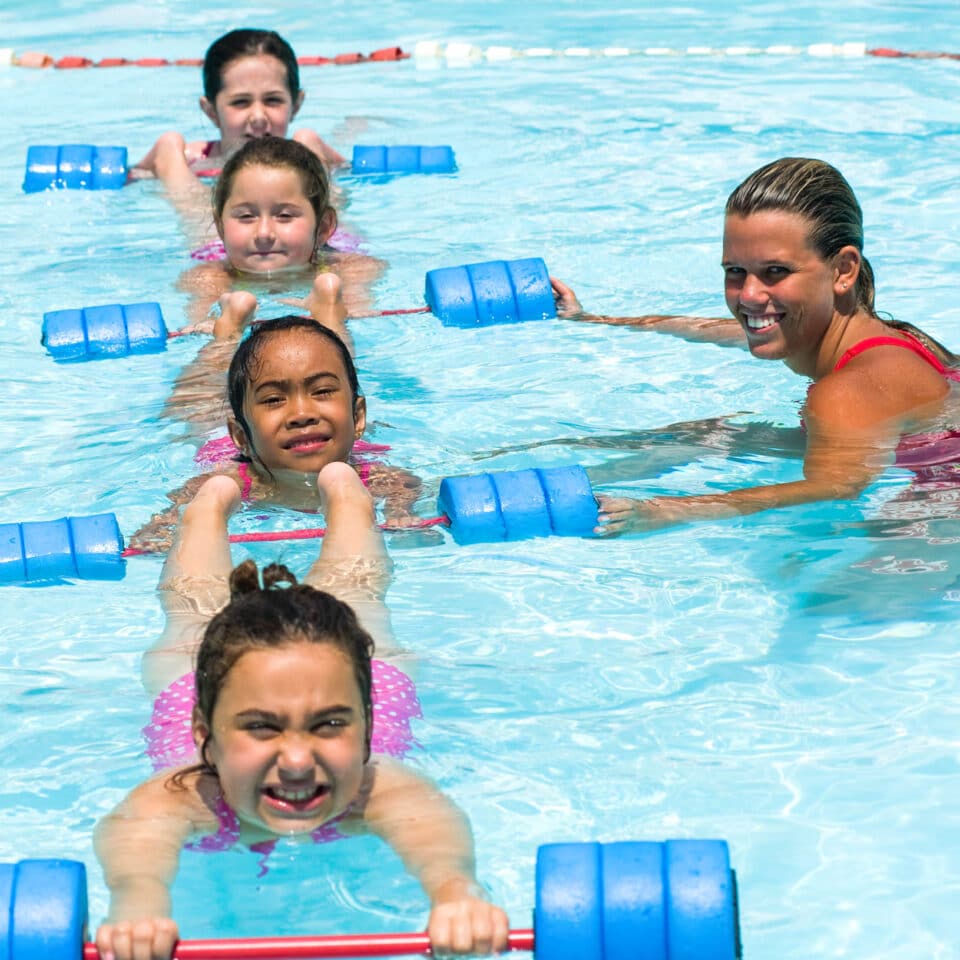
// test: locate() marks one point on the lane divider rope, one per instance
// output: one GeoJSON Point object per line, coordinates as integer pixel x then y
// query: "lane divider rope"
{"type": "Point", "coordinates": [460, 54]}
{"type": "Point", "coordinates": [39, 59]}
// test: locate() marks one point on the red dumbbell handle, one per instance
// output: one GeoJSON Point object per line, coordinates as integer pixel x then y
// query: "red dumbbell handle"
{"type": "Point", "coordinates": [311, 948]}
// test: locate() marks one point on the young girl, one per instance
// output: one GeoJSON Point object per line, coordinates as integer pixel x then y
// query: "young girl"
{"type": "Point", "coordinates": [275, 225]}
{"type": "Point", "coordinates": [251, 88]}
{"type": "Point", "coordinates": [802, 292]}
{"type": "Point", "coordinates": [286, 722]}
{"type": "Point", "coordinates": [294, 406]}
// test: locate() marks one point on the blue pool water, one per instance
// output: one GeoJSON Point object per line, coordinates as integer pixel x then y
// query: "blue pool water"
{"type": "Point", "coordinates": [787, 681]}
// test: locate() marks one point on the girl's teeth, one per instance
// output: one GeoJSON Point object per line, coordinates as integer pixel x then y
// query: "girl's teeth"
{"type": "Point", "coordinates": [294, 795]}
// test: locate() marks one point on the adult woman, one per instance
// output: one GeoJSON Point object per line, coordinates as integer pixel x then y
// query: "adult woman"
{"type": "Point", "coordinates": [801, 291]}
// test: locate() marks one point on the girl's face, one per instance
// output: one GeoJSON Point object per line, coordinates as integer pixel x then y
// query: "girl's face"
{"type": "Point", "coordinates": [777, 286]}
{"type": "Point", "coordinates": [298, 405]}
{"type": "Point", "coordinates": [268, 224]}
{"type": "Point", "coordinates": [288, 737]}
{"type": "Point", "coordinates": [253, 101]}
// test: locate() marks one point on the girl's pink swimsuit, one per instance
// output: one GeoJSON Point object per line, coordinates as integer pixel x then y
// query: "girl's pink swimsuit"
{"type": "Point", "coordinates": [221, 449]}
{"type": "Point", "coordinates": [169, 741]}
{"type": "Point", "coordinates": [339, 240]}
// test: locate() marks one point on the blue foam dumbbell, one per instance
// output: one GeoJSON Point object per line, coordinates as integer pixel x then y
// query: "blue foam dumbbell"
{"type": "Point", "coordinates": [114, 330]}
{"type": "Point", "coordinates": [518, 504]}
{"type": "Point", "coordinates": [75, 167]}
{"type": "Point", "coordinates": [674, 900]}
{"type": "Point", "coordinates": [85, 548]}
{"type": "Point", "coordinates": [661, 901]}
{"type": "Point", "coordinates": [496, 291]}
{"type": "Point", "coordinates": [403, 159]}
{"type": "Point", "coordinates": [43, 910]}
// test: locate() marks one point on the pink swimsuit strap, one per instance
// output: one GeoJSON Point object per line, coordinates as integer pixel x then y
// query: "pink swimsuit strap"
{"type": "Point", "coordinates": [244, 470]}
{"type": "Point", "coordinates": [907, 344]}
{"type": "Point", "coordinates": [340, 241]}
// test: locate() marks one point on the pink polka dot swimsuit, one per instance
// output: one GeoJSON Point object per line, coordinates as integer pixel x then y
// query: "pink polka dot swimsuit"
{"type": "Point", "coordinates": [169, 743]}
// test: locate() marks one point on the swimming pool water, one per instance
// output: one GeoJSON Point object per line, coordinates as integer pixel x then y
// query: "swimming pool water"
{"type": "Point", "coordinates": [786, 681]}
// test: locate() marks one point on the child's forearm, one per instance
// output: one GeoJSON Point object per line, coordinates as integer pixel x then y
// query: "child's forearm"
{"type": "Point", "coordinates": [138, 898]}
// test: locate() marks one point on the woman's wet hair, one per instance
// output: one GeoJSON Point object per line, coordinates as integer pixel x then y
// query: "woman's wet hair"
{"type": "Point", "coordinates": [271, 614]}
{"type": "Point", "coordinates": [243, 366]}
{"type": "Point", "coordinates": [820, 194]}
{"type": "Point", "coordinates": [247, 43]}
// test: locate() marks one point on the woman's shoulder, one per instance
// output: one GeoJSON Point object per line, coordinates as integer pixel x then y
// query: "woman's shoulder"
{"type": "Point", "coordinates": [877, 384]}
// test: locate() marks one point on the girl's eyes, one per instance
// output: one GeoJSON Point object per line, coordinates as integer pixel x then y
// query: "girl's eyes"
{"type": "Point", "coordinates": [260, 728]}
{"type": "Point", "coordinates": [333, 723]}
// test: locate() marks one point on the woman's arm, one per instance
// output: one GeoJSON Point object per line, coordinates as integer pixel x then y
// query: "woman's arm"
{"type": "Point", "coordinates": [433, 838]}
{"type": "Point", "coordinates": [847, 447]}
{"type": "Point", "coordinates": [138, 846]}
{"type": "Point", "coordinates": [725, 332]}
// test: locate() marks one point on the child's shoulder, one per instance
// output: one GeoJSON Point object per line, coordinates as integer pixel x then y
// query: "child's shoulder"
{"type": "Point", "coordinates": [167, 796]}
{"type": "Point", "coordinates": [202, 150]}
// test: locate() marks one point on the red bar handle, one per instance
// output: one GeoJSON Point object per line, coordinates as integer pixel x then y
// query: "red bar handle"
{"type": "Point", "coordinates": [312, 948]}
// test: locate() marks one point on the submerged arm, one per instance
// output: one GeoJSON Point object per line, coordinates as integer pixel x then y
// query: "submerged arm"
{"type": "Point", "coordinates": [846, 449]}
{"type": "Point", "coordinates": [138, 846]}
{"type": "Point", "coordinates": [433, 838]}
{"type": "Point", "coordinates": [167, 161]}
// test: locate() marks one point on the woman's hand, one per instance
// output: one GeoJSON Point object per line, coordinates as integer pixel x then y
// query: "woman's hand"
{"type": "Point", "coordinates": [566, 300]}
{"type": "Point", "coordinates": [624, 515]}
{"type": "Point", "coordinates": [465, 922]}
{"type": "Point", "coordinates": [149, 939]}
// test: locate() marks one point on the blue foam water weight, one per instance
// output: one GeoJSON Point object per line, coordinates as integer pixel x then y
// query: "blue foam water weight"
{"type": "Point", "coordinates": [674, 900]}
{"type": "Point", "coordinates": [496, 291]}
{"type": "Point", "coordinates": [75, 167]}
{"type": "Point", "coordinates": [403, 159]}
{"type": "Point", "coordinates": [84, 548]}
{"type": "Point", "coordinates": [43, 910]}
{"type": "Point", "coordinates": [518, 504]}
{"type": "Point", "coordinates": [114, 330]}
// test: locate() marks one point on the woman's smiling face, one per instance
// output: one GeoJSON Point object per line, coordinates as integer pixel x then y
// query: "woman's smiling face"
{"type": "Point", "coordinates": [776, 285]}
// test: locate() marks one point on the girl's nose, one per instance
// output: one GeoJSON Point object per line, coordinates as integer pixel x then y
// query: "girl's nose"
{"type": "Point", "coordinates": [301, 410]}
{"type": "Point", "coordinates": [257, 115]}
{"type": "Point", "coordinates": [296, 758]}
{"type": "Point", "coordinates": [265, 227]}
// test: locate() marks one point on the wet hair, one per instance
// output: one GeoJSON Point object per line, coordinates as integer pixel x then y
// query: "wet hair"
{"type": "Point", "coordinates": [819, 193]}
{"type": "Point", "coordinates": [245, 361]}
{"type": "Point", "coordinates": [279, 153]}
{"type": "Point", "coordinates": [247, 43]}
{"type": "Point", "coordinates": [269, 617]}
